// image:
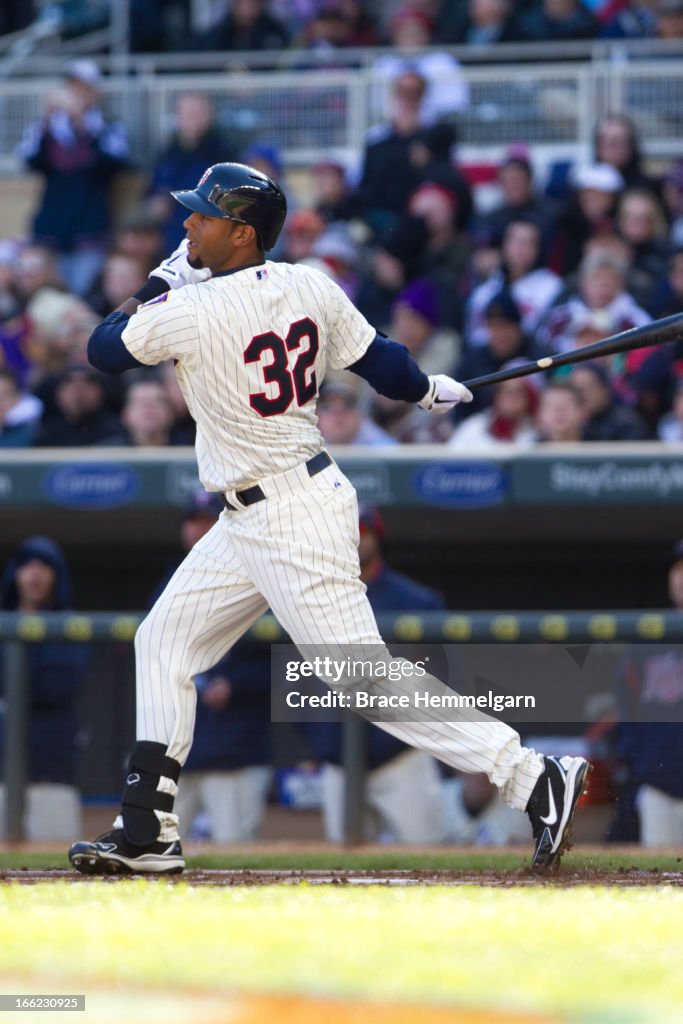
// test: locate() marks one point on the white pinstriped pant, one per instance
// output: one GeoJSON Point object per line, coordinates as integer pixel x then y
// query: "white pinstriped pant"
{"type": "Point", "coordinates": [296, 552]}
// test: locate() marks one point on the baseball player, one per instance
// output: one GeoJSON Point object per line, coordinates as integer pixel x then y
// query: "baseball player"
{"type": "Point", "coordinates": [251, 340]}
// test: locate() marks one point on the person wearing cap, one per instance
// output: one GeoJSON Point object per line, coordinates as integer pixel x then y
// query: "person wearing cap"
{"type": "Point", "coordinates": [589, 210]}
{"type": "Point", "coordinates": [403, 796]}
{"type": "Point", "coordinates": [37, 579]}
{"type": "Point", "coordinates": [432, 153]}
{"type": "Point", "coordinates": [416, 323]}
{"type": "Point", "coordinates": [649, 736]}
{"type": "Point", "coordinates": [521, 272]}
{"type": "Point", "coordinates": [78, 153]}
{"type": "Point", "coordinates": [227, 776]}
{"type": "Point", "coordinates": [446, 257]}
{"type": "Point", "coordinates": [196, 143]}
{"type": "Point", "coordinates": [506, 340]}
{"type": "Point", "coordinates": [81, 416]}
{"type": "Point", "coordinates": [343, 414]}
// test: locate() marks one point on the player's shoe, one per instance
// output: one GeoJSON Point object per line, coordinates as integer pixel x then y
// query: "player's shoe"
{"type": "Point", "coordinates": [552, 805]}
{"type": "Point", "coordinates": [112, 854]}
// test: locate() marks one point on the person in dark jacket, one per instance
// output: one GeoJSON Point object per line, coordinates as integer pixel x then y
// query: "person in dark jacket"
{"type": "Point", "coordinates": [77, 152]}
{"type": "Point", "coordinates": [248, 25]}
{"type": "Point", "coordinates": [81, 416]}
{"type": "Point", "coordinates": [607, 419]}
{"type": "Point", "coordinates": [36, 579]}
{"type": "Point", "coordinates": [403, 795]}
{"type": "Point", "coordinates": [227, 774]}
{"type": "Point", "coordinates": [196, 144]}
{"type": "Point", "coordinates": [650, 734]}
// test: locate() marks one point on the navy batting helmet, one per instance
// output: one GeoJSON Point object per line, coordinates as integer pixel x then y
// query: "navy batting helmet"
{"type": "Point", "coordinates": [241, 193]}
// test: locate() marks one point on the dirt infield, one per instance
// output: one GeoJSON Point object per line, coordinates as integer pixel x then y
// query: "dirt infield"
{"type": "Point", "coordinates": [564, 878]}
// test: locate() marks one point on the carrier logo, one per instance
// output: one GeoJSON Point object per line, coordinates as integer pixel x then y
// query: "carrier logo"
{"type": "Point", "coordinates": [461, 484]}
{"type": "Point", "coordinates": [91, 485]}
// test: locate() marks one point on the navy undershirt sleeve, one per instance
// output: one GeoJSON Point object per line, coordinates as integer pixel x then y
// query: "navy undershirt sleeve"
{"type": "Point", "coordinates": [391, 370]}
{"type": "Point", "coordinates": [106, 350]}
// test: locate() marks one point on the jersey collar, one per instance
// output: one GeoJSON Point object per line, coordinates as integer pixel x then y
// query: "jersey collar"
{"type": "Point", "coordinates": [236, 270]}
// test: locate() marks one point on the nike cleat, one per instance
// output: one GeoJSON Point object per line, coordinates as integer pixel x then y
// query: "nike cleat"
{"type": "Point", "coordinates": [552, 805]}
{"type": "Point", "coordinates": [112, 854]}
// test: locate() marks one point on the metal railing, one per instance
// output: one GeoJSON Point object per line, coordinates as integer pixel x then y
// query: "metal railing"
{"type": "Point", "coordinates": [17, 630]}
{"type": "Point", "coordinates": [552, 106]}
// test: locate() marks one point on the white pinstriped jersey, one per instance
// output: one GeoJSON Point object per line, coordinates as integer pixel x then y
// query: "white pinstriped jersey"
{"type": "Point", "coordinates": [251, 349]}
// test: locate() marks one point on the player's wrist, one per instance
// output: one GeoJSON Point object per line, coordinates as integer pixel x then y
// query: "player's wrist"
{"type": "Point", "coordinates": [152, 288]}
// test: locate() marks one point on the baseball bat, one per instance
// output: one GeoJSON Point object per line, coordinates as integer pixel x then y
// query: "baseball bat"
{"type": "Point", "coordinates": [669, 328]}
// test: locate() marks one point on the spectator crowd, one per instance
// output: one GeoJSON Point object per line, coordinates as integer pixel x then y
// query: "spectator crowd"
{"type": "Point", "coordinates": [468, 286]}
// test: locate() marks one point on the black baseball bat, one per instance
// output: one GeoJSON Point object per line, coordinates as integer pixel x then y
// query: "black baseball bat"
{"type": "Point", "coordinates": [669, 328]}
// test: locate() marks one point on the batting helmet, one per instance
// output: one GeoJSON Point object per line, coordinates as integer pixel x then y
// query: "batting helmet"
{"type": "Point", "coordinates": [241, 193]}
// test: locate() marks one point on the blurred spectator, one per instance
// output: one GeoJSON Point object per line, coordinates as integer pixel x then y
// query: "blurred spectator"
{"type": "Point", "coordinates": [479, 23]}
{"type": "Point", "coordinates": [141, 236]}
{"type": "Point", "coordinates": [196, 144]}
{"type": "Point", "coordinates": [634, 20]}
{"type": "Point", "coordinates": [267, 158]}
{"type": "Point", "coordinates": [20, 412]}
{"type": "Point", "coordinates": [81, 416]}
{"type": "Point", "coordinates": [146, 417]}
{"type": "Point", "coordinates": [590, 210]}
{"type": "Point", "coordinates": [667, 299]}
{"type": "Point", "coordinates": [403, 796]}
{"type": "Point", "coordinates": [533, 287]}
{"type": "Point", "coordinates": [617, 143]}
{"type": "Point", "coordinates": [431, 154]}
{"type": "Point", "coordinates": [601, 282]}
{"type": "Point", "coordinates": [248, 25]}
{"type": "Point", "coordinates": [158, 27]}
{"type": "Point", "coordinates": [606, 418]}
{"type": "Point", "coordinates": [411, 30]}
{"type": "Point", "coordinates": [395, 261]}
{"type": "Point", "coordinates": [77, 152]}
{"type": "Point", "coordinates": [561, 413]}
{"type": "Point", "coordinates": [519, 201]}
{"type": "Point", "coordinates": [641, 223]}
{"type": "Point", "coordinates": [122, 276]}
{"type": "Point", "coordinates": [343, 414]}
{"type": "Point", "coordinates": [15, 352]}
{"type": "Point", "coordinates": [445, 258]}
{"type": "Point", "coordinates": [672, 194]}
{"type": "Point", "coordinates": [670, 425]}
{"type": "Point", "coordinates": [557, 20]}
{"type": "Point", "coordinates": [36, 579]}
{"type": "Point", "coordinates": [65, 345]}
{"type": "Point", "coordinates": [416, 323]}
{"type": "Point", "coordinates": [338, 255]}
{"type": "Point", "coordinates": [388, 176]}
{"type": "Point", "coordinates": [650, 733]}
{"type": "Point", "coordinates": [509, 421]}
{"type": "Point", "coordinates": [333, 199]}
{"type": "Point", "coordinates": [669, 19]}
{"type": "Point", "coordinates": [301, 231]}
{"type": "Point", "coordinates": [506, 340]}
{"type": "Point", "coordinates": [184, 427]}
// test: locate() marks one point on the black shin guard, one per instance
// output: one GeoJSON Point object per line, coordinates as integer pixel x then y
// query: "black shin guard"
{"type": "Point", "coordinates": [141, 798]}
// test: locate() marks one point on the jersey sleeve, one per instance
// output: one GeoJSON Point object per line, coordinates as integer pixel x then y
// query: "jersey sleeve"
{"type": "Point", "coordinates": [163, 328]}
{"type": "Point", "coordinates": [349, 333]}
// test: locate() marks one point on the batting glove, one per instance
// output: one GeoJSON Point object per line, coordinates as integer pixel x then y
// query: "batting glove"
{"type": "Point", "coordinates": [176, 271]}
{"type": "Point", "coordinates": [444, 394]}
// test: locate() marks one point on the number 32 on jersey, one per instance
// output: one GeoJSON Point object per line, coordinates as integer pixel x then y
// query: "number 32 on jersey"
{"type": "Point", "coordinates": [273, 354]}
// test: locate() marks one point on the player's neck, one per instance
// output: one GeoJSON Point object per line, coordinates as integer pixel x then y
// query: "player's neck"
{"type": "Point", "coordinates": [240, 261]}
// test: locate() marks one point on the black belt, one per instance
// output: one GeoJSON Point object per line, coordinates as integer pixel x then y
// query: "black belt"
{"type": "Point", "coordinates": [250, 495]}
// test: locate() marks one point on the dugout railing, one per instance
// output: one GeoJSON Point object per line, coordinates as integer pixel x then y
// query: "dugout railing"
{"type": "Point", "coordinates": [534, 627]}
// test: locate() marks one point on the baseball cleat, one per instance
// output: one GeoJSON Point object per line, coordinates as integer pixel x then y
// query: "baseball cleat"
{"type": "Point", "coordinates": [552, 805]}
{"type": "Point", "coordinates": [112, 854]}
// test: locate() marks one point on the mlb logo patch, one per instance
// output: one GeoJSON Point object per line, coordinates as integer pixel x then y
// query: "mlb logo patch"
{"type": "Point", "coordinates": [159, 298]}
{"type": "Point", "coordinates": [261, 274]}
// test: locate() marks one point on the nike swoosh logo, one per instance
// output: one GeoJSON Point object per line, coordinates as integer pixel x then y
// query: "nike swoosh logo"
{"type": "Point", "coordinates": [444, 401]}
{"type": "Point", "coordinates": [552, 815]}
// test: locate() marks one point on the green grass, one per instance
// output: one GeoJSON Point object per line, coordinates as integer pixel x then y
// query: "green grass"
{"type": "Point", "coordinates": [389, 859]}
{"type": "Point", "coordinates": [592, 954]}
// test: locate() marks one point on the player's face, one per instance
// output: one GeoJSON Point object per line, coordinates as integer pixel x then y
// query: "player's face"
{"type": "Point", "coordinates": [211, 242]}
